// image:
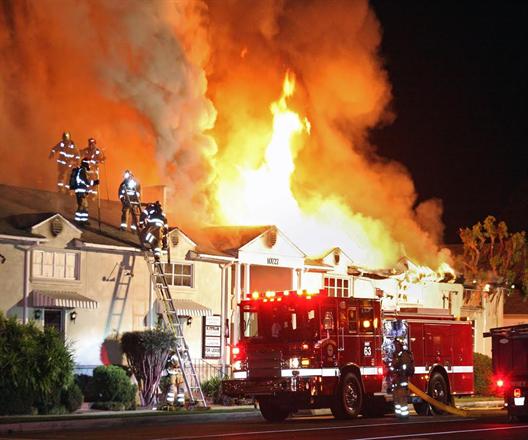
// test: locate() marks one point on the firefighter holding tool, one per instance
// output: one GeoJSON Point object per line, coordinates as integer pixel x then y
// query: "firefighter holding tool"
{"type": "Point", "coordinates": [95, 157]}
{"type": "Point", "coordinates": [130, 196]}
{"type": "Point", "coordinates": [67, 157]}
{"type": "Point", "coordinates": [401, 368]}
{"type": "Point", "coordinates": [154, 228]}
{"type": "Point", "coordinates": [81, 185]}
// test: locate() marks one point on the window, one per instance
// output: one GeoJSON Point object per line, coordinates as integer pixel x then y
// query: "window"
{"type": "Point", "coordinates": [336, 286]}
{"type": "Point", "coordinates": [55, 265]}
{"type": "Point", "coordinates": [178, 274]}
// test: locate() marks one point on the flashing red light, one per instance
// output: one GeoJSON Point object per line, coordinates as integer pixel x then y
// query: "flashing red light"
{"type": "Point", "coordinates": [517, 392]}
{"type": "Point", "coordinates": [500, 383]}
{"type": "Point", "coordinates": [235, 351]}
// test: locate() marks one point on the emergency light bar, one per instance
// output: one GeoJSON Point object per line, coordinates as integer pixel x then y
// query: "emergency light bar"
{"type": "Point", "coordinates": [272, 296]}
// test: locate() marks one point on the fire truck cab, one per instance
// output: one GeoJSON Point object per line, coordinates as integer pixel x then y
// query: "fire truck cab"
{"type": "Point", "coordinates": [303, 350]}
{"type": "Point", "coordinates": [509, 349]}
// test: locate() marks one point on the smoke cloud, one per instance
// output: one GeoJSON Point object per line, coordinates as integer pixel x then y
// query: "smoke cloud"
{"type": "Point", "coordinates": [179, 92]}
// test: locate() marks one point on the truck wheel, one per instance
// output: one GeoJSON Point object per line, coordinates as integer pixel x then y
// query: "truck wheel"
{"type": "Point", "coordinates": [272, 411]}
{"type": "Point", "coordinates": [349, 399]}
{"type": "Point", "coordinates": [438, 390]}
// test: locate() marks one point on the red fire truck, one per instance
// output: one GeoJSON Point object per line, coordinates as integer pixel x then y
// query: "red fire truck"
{"type": "Point", "coordinates": [509, 347]}
{"type": "Point", "coordinates": [302, 350]}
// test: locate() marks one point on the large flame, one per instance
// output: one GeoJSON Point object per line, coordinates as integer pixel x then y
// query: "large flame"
{"type": "Point", "coordinates": [264, 196]}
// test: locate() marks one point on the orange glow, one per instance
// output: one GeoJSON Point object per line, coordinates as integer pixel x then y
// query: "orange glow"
{"type": "Point", "coordinates": [517, 392]}
{"type": "Point", "coordinates": [366, 323]}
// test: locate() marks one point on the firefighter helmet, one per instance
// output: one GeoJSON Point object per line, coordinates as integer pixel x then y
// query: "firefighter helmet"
{"type": "Point", "coordinates": [66, 136]}
{"type": "Point", "coordinates": [91, 141]}
{"type": "Point", "coordinates": [128, 174]}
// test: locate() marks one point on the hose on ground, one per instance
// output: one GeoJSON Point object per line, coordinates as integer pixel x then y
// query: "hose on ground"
{"type": "Point", "coordinates": [441, 406]}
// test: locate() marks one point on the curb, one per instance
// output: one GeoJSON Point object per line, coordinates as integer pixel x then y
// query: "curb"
{"type": "Point", "coordinates": [106, 421]}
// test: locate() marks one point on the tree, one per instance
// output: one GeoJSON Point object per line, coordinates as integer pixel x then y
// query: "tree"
{"type": "Point", "coordinates": [147, 353]}
{"type": "Point", "coordinates": [494, 259]}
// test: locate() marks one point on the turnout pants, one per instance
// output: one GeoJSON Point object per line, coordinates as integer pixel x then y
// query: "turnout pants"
{"type": "Point", "coordinates": [81, 215]}
{"type": "Point", "coordinates": [400, 395]}
{"type": "Point", "coordinates": [63, 176]}
{"type": "Point", "coordinates": [152, 238]}
{"type": "Point", "coordinates": [126, 215]}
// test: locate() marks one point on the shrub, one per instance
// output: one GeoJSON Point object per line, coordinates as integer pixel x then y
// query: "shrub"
{"type": "Point", "coordinates": [86, 385]}
{"type": "Point", "coordinates": [35, 366]}
{"type": "Point", "coordinates": [109, 406]}
{"type": "Point", "coordinates": [111, 384]}
{"type": "Point", "coordinates": [147, 353]}
{"type": "Point", "coordinates": [483, 374]}
{"type": "Point", "coordinates": [72, 397]}
{"type": "Point", "coordinates": [212, 389]}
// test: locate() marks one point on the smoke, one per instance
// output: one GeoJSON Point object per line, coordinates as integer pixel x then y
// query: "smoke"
{"type": "Point", "coordinates": [343, 89]}
{"type": "Point", "coordinates": [125, 73]}
{"type": "Point", "coordinates": [179, 92]}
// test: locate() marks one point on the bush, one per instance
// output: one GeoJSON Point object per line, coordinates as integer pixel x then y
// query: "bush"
{"type": "Point", "coordinates": [212, 389]}
{"type": "Point", "coordinates": [483, 374]}
{"type": "Point", "coordinates": [72, 397]}
{"type": "Point", "coordinates": [147, 353]}
{"type": "Point", "coordinates": [109, 406]}
{"type": "Point", "coordinates": [111, 384]}
{"type": "Point", "coordinates": [35, 366]}
{"type": "Point", "coordinates": [85, 383]}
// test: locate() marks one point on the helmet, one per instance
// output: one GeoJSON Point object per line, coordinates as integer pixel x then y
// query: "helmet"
{"type": "Point", "coordinates": [85, 164]}
{"type": "Point", "coordinates": [91, 141]}
{"type": "Point", "coordinates": [128, 174]}
{"type": "Point", "coordinates": [66, 136]}
{"type": "Point", "coordinates": [157, 204]}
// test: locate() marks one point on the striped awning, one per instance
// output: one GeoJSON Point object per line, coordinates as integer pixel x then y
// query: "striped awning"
{"type": "Point", "coordinates": [61, 299]}
{"type": "Point", "coordinates": [186, 307]}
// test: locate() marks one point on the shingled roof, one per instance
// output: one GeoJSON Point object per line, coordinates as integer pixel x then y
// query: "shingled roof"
{"type": "Point", "coordinates": [23, 208]}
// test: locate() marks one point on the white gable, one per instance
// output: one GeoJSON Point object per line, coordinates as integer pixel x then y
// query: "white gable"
{"type": "Point", "coordinates": [267, 250]}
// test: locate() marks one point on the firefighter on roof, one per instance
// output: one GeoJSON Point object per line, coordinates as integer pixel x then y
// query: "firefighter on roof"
{"type": "Point", "coordinates": [81, 184]}
{"type": "Point", "coordinates": [95, 156]}
{"type": "Point", "coordinates": [130, 196]}
{"type": "Point", "coordinates": [67, 158]}
{"type": "Point", "coordinates": [154, 228]}
{"type": "Point", "coordinates": [401, 368]}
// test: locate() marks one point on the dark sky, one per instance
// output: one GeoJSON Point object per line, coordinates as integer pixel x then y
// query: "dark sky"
{"type": "Point", "coordinates": [459, 75]}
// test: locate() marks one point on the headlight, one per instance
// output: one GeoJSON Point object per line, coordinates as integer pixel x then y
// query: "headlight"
{"type": "Point", "coordinates": [294, 362]}
{"type": "Point", "coordinates": [237, 365]}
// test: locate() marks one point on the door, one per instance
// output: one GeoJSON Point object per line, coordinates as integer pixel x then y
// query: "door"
{"type": "Point", "coordinates": [54, 319]}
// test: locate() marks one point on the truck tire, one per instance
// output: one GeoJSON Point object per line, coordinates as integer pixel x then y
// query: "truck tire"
{"type": "Point", "coordinates": [438, 390]}
{"type": "Point", "coordinates": [271, 409]}
{"type": "Point", "coordinates": [349, 398]}
{"type": "Point", "coordinates": [422, 408]}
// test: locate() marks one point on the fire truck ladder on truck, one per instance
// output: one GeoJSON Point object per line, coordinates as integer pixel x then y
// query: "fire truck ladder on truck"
{"type": "Point", "coordinates": [171, 319]}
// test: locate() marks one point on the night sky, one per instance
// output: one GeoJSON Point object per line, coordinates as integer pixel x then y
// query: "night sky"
{"type": "Point", "coordinates": [459, 75]}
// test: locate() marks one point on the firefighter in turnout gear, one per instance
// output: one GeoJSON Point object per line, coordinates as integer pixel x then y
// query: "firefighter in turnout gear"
{"type": "Point", "coordinates": [130, 196]}
{"type": "Point", "coordinates": [95, 156]}
{"type": "Point", "coordinates": [67, 157]}
{"type": "Point", "coordinates": [154, 228]}
{"type": "Point", "coordinates": [401, 369]}
{"type": "Point", "coordinates": [81, 184]}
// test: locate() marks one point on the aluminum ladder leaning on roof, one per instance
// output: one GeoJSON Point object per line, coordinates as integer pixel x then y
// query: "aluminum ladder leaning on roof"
{"type": "Point", "coordinates": [171, 320]}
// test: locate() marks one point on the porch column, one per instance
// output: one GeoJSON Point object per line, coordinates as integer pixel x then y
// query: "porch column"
{"type": "Point", "coordinates": [247, 279]}
{"type": "Point", "coordinates": [236, 312]}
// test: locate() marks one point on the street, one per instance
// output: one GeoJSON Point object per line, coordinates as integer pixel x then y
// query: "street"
{"type": "Point", "coordinates": [490, 424]}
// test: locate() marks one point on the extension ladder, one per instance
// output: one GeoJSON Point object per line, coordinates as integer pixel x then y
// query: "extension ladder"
{"type": "Point", "coordinates": [171, 320]}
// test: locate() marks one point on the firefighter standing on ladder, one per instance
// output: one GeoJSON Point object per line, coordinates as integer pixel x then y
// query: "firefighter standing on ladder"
{"type": "Point", "coordinates": [95, 156]}
{"type": "Point", "coordinates": [130, 196]}
{"type": "Point", "coordinates": [154, 228]}
{"type": "Point", "coordinates": [67, 158]}
{"type": "Point", "coordinates": [401, 368]}
{"type": "Point", "coordinates": [81, 184]}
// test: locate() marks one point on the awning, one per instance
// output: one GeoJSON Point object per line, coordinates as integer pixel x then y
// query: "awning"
{"type": "Point", "coordinates": [64, 299]}
{"type": "Point", "coordinates": [186, 307]}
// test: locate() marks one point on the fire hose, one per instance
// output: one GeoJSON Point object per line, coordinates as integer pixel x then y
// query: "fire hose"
{"type": "Point", "coordinates": [441, 406]}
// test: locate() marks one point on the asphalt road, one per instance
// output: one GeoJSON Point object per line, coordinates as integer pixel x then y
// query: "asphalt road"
{"type": "Point", "coordinates": [250, 426]}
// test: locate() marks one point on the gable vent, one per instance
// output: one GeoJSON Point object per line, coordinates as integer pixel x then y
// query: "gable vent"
{"type": "Point", "coordinates": [56, 226]}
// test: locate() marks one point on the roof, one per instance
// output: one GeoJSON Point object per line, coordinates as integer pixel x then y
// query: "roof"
{"type": "Point", "coordinates": [226, 240]}
{"type": "Point", "coordinates": [23, 208]}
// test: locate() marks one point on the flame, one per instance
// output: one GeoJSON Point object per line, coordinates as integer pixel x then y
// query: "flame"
{"type": "Point", "coordinates": [264, 196]}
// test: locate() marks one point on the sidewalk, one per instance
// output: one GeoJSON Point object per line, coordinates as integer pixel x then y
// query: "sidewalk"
{"type": "Point", "coordinates": [88, 418]}
{"type": "Point", "coordinates": [471, 403]}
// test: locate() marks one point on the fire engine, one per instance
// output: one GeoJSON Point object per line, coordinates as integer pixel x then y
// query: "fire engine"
{"type": "Point", "coordinates": [509, 349]}
{"type": "Point", "coordinates": [301, 350]}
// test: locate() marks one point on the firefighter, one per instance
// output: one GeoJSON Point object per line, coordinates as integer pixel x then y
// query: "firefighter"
{"type": "Point", "coordinates": [130, 196]}
{"type": "Point", "coordinates": [81, 184]}
{"type": "Point", "coordinates": [401, 368]}
{"type": "Point", "coordinates": [95, 156]}
{"type": "Point", "coordinates": [67, 158]}
{"type": "Point", "coordinates": [154, 228]}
